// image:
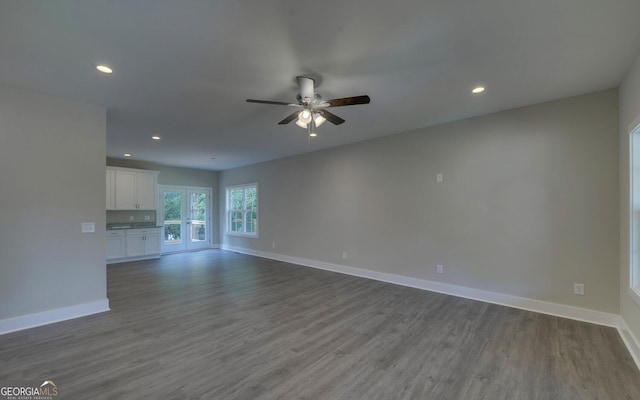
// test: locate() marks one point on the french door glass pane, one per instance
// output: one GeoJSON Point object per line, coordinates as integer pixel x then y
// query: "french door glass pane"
{"type": "Point", "coordinates": [198, 207]}
{"type": "Point", "coordinates": [172, 217]}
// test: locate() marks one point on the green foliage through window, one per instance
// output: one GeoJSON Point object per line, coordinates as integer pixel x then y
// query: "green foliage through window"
{"type": "Point", "coordinates": [242, 209]}
{"type": "Point", "coordinates": [172, 216]}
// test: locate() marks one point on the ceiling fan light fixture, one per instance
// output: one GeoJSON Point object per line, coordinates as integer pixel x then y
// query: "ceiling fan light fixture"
{"type": "Point", "coordinates": [311, 109]}
{"type": "Point", "coordinates": [305, 116]}
{"type": "Point", "coordinates": [318, 119]}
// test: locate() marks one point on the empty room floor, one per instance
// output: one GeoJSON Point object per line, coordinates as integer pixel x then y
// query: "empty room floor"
{"type": "Point", "coordinates": [220, 325]}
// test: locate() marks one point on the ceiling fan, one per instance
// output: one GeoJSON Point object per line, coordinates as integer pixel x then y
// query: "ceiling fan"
{"type": "Point", "coordinates": [314, 110]}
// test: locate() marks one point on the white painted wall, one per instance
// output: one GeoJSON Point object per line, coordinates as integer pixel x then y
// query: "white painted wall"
{"type": "Point", "coordinates": [629, 114]}
{"type": "Point", "coordinates": [52, 157]}
{"type": "Point", "coordinates": [529, 203]}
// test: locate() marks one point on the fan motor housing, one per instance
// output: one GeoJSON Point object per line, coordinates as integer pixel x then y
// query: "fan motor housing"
{"type": "Point", "coordinates": [306, 88]}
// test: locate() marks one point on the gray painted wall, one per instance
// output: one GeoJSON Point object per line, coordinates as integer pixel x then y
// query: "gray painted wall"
{"type": "Point", "coordinates": [629, 113]}
{"type": "Point", "coordinates": [528, 206]}
{"type": "Point", "coordinates": [52, 155]}
{"type": "Point", "coordinates": [179, 177]}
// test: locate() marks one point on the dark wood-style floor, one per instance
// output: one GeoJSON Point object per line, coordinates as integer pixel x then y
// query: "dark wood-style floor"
{"type": "Point", "coordinates": [220, 325]}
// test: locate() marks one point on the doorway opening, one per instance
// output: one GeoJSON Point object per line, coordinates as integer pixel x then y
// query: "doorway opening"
{"type": "Point", "coordinates": [185, 215]}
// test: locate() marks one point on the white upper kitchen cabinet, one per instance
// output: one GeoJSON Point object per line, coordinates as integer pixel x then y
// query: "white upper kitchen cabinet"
{"type": "Point", "coordinates": [146, 190]}
{"type": "Point", "coordinates": [126, 190]}
{"type": "Point", "coordinates": [133, 189]}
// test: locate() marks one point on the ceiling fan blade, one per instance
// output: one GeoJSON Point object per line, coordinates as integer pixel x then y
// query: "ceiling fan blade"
{"type": "Point", "coordinates": [347, 101]}
{"type": "Point", "coordinates": [331, 117]}
{"type": "Point", "coordinates": [279, 103]}
{"type": "Point", "coordinates": [289, 118]}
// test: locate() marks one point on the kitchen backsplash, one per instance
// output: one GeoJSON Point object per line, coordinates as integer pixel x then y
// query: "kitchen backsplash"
{"type": "Point", "coordinates": [116, 217]}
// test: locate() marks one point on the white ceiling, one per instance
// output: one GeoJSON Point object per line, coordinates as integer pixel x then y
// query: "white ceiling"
{"type": "Point", "coordinates": [183, 69]}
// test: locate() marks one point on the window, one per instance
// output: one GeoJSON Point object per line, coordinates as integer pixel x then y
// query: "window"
{"type": "Point", "coordinates": [242, 210]}
{"type": "Point", "coordinates": [634, 214]}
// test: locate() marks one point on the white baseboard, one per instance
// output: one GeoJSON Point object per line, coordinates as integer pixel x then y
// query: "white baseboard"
{"type": "Point", "coordinates": [544, 307]}
{"type": "Point", "coordinates": [49, 317]}
{"type": "Point", "coordinates": [632, 343]}
{"type": "Point", "coordinates": [127, 259]}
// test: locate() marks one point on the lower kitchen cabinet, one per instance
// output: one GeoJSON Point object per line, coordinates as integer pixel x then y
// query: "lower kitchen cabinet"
{"type": "Point", "coordinates": [116, 244]}
{"type": "Point", "coordinates": [143, 242]}
{"type": "Point", "coordinates": [137, 244]}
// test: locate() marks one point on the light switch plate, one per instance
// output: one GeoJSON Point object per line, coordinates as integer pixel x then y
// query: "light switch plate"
{"type": "Point", "coordinates": [88, 227]}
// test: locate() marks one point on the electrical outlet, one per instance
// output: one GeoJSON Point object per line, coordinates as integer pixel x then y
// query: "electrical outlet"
{"type": "Point", "coordinates": [578, 288]}
{"type": "Point", "coordinates": [273, 245]}
{"type": "Point", "coordinates": [344, 255]}
{"type": "Point", "coordinates": [147, 218]}
{"type": "Point", "coordinates": [439, 178]}
{"type": "Point", "coordinates": [440, 269]}
{"type": "Point", "coordinates": [130, 218]}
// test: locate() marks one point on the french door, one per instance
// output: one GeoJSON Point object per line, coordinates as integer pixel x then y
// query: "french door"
{"type": "Point", "coordinates": [185, 214]}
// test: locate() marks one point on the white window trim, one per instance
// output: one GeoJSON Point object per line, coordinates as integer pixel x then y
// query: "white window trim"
{"type": "Point", "coordinates": [634, 241]}
{"type": "Point", "coordinates": [228, 231]}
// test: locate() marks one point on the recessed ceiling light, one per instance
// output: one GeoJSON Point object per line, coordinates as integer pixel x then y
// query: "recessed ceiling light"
{"type": "Point", "coordinates": [104, 68]}
{"type": "Point", "coordinates": [313, 134]}
{"type": "Point", "coordinates": [127, 154]}
{"type": "Point", "coordinates": [155, 137]}
{"type": "Point", "coordinates": [477, 90]}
